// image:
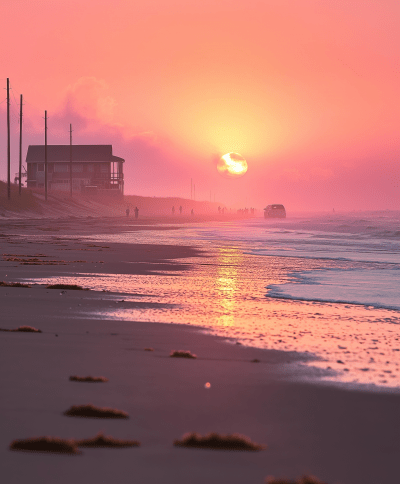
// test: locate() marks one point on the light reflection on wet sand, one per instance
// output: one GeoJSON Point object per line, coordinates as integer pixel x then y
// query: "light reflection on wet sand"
{"type": "Point", "coordinates": [225, 293]}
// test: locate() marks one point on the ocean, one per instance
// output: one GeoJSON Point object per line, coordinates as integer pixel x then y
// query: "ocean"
{"type": "Point", "coordinates": [324, 285]}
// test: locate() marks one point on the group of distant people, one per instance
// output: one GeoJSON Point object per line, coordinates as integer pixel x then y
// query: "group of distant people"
{"type": "Point", "coordinates": [221, 210]}
{"type": "Point", "coordinates": [246, 211]}
{"type": "Point", "coordinates": [136, 211]}
{"type": "Point", "coordinates": [180, 210]}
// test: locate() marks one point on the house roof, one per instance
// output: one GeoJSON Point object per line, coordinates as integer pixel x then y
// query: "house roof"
{"type": "Point", "coordinates": [79, 153]}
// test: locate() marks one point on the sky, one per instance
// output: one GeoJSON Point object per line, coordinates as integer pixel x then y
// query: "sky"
{"type": "Point", "coordinates": [307, 91]}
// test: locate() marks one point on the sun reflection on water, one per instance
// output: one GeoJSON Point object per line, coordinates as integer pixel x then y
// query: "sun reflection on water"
{"type": "Point", "coordinates": [229, 259]}
{"type": "Point", "coordinates": [225, 293]}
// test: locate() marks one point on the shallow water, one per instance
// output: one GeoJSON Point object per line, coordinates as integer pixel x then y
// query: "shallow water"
{"type": "Point", "coordinates": [319, 285]}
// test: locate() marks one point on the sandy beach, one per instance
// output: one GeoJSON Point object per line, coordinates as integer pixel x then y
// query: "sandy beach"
{"type": "Point", "coordinates": [342, 436]}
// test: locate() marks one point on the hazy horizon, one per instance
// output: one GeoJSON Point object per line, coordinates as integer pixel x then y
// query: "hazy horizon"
{"type": "Point", "coordinates": [306, 92]}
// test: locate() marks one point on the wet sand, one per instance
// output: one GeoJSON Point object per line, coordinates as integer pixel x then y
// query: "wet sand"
{"type": "Point", "coordinates": [339, 435]}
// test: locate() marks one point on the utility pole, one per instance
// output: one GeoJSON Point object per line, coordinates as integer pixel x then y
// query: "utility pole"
{"type": "Point", "coordinates": [8, 141]}
{"type": "Point", "coordinates": [45, 155]}
{"type": "Point", "coordinates": [70, 159]}
{"type": "Point", "coordinates": [20, 145]}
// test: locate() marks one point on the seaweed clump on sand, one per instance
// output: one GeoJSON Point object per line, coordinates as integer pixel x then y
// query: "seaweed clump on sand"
{"type": "Point", "coordinates": [182, 354]}
{"type": "Point", "coordinates": [218, 442]}
{"type": "Point", "coordinates": [46, 444]}
{"type": "Point", "coordinates": [91, 411]}
{"type": "Point", "coordinates": [13, 284]}
{"type": "Point", "coordinates": [71, 287]}
{"type": "Point", "coordinates": [101, 440]}
{"type": "Point", "coordinates": [94, 379]}
{"type": "Point", "coordinates": [300, 480]}
{"type": "Point", "coordinates": [23, 329]}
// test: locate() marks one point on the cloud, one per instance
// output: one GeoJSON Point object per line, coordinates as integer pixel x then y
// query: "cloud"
{"type": "Point", "coordinates": [89, 96]}
{"type": "Point", "coordinates": [154, 165]}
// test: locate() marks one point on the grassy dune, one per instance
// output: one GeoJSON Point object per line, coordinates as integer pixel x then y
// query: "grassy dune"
{"type": "Point", "coordinates": [60, 204]}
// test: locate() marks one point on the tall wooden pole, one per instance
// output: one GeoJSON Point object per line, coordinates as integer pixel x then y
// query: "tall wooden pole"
{"type": "Point", "coordinates": [70, 159]}
{"type": "Point", "coordinates": [8, 142]}
{"type": "Point", "coordinates": [20, 145]}
{"type": "Point", "coordinates": [45, 155]}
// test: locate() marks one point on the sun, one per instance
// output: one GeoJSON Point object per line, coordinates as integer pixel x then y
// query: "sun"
{"type": "Point", "coordinates": [232, 165]}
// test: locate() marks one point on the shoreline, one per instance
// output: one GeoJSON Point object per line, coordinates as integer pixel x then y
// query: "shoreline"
{"type": "Point", "coordinates": [341, 436]}
{"type": "Point", "coordinates": [98, 262]}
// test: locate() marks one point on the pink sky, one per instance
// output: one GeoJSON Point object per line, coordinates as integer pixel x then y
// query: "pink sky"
{"type": "Point", "coordinates": [307, 91]}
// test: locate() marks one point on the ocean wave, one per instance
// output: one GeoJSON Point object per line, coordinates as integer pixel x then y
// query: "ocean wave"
{"type": "Point", "coordinates": [377, 288]}
{"type": "Point", "coordinates": [279, 295]}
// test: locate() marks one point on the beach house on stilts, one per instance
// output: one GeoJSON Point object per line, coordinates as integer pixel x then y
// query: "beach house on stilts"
{"type": "Point", "coordinates": [94, 168]}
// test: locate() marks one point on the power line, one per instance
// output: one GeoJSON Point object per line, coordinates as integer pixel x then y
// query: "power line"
{"type": "Point", "coordinates": [17, 91]}
{"type": "Point", "coordinates": [14, 96]}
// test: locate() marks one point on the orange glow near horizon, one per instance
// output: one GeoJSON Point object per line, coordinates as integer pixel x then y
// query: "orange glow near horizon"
{"type": "Point", "coordinates": [308, 91]}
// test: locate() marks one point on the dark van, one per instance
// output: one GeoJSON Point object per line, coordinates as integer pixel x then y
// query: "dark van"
{"type": "Point", "coordinates": [275, 211]}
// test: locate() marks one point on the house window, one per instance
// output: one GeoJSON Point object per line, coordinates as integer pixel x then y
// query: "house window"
{"type": "Point", "coordinates": [31, 170]}
{"type": "Point", "coordinates": [90, 167]}
{"type": "Point", "coordinates": [77, 168]}
{"type": "Point", "coordinates": [103, 169]}
{"type": "Point", "coordinates": [40, 167]}
{"type": "Point", "coordinates": [61, 168]}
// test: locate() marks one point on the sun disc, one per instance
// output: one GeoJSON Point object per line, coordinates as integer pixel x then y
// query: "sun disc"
{"type": "Point", "coordinates": [232, 165]}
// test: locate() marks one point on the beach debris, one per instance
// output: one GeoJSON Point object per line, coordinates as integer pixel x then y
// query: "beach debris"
{"type": "Point", "coordinates": [256, 360]}
{"type": "Point", "coordinates": [35, 260]}
{"type": "Point", "coordinates": [90, 411]}
{"type": "Point", "coordinates": [46, 444]}
{"type": "Point", "coordinates": [13, 284]}
{"type": "Point", "coordinates": [182, 354]}
{"type": "Point", "coordinates": [216, 441]}
{"type": "Point", "coordinates": [300, 480]}
{"type": "Point", "coordinates": [71, 287]}
{"type": "Point", "coordinates": [149, 349]}
{"type": "Point", "coordinates": [94, 379]}
{"type": "Point", "coordinates": [101, 440]}
{"type": "Point", "coordinates": [23, 329]}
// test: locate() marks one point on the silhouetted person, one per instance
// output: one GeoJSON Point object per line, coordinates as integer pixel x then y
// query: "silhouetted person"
{"type": "Point", "coordinates": [127, 211]}
{"type": "Point", "coordinates": [136, 212]}
{"type": "Point", "coordinates": [192, 212]}
{"type": "Point", "coordinates": [173, 210]}
{"type": "Point", "coordinates": [180, 209]}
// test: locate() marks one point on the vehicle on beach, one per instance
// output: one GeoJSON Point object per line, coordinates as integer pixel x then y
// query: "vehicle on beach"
{"type": "Point", "coordinates": [274, 211]}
